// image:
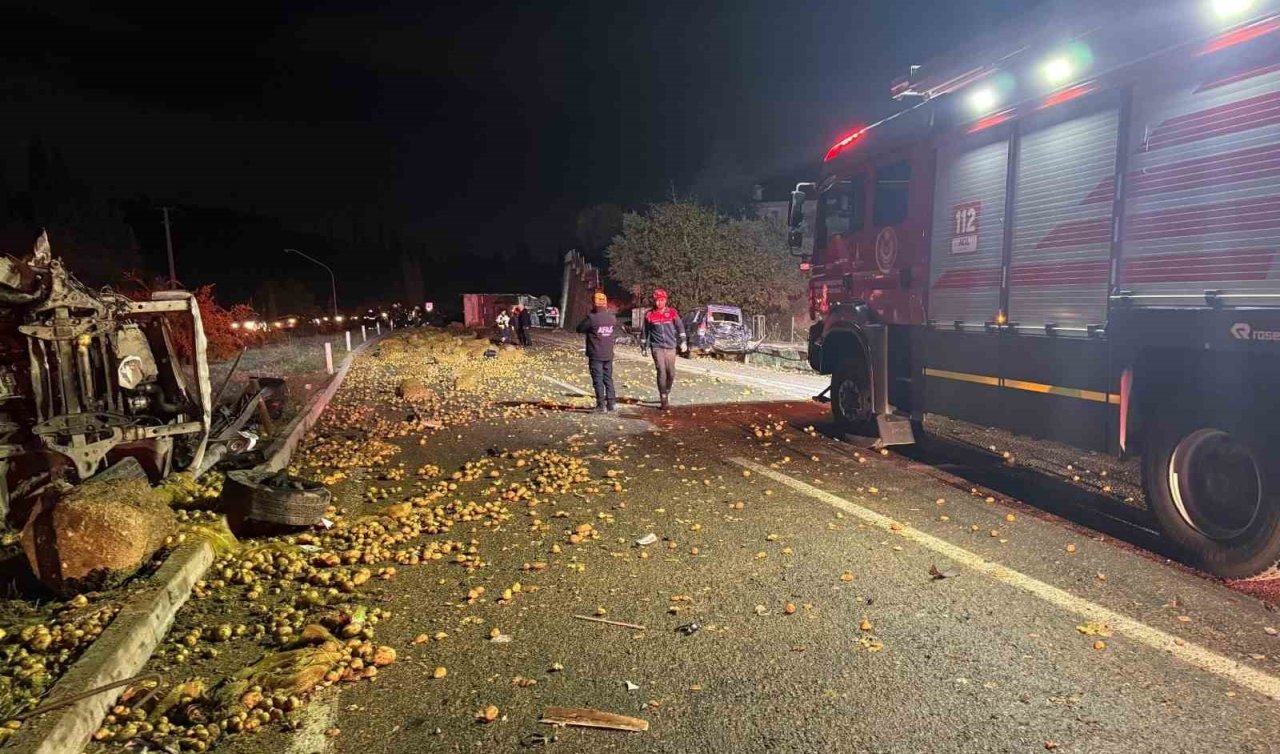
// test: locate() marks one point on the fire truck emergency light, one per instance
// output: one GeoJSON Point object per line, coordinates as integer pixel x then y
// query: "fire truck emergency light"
{"type": "Point", "coordinates": [1059, 71]}
{"type": "Point", "coordinates": [984, 100]}
{"type": "Point", "coordinates": [1229, 9]}
{"type": "Point", "coordinates": [840, 146]}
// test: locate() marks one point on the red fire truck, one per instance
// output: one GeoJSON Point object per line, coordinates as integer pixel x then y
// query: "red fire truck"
{"type": "Point", "coordinates": [1077, 238]}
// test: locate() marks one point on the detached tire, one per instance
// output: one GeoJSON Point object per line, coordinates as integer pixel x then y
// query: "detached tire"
{"type": "Point", "coordinates": [247, 494]}
{"type": "Point", "coordinates": [1214, 496]}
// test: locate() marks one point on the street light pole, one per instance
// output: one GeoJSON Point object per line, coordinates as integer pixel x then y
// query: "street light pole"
{"type": "Point", "coordinates": [333, 281]}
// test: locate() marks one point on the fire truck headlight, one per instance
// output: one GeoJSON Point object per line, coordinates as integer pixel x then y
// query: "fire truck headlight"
{"type": "Point", "coordinates": [984, 100]}
{"type": "Point", "coordinates": [1229, 9]}
{"type": "Point", "coordinates": [1059, 71]}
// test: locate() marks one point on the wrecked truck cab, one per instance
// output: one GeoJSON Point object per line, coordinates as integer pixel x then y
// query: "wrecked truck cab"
{"type": "Point", "coordinates": [88, 378]}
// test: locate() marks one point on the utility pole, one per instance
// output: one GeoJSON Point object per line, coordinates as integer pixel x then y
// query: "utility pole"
{"type": "Point", "coordinates": [168, 242]}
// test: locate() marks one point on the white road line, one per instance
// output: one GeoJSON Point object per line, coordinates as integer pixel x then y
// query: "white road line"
{"type": "Point", "coordinates": [317, 717]}
{"type": "Point", "coordinates": [777, 386]}
{"type": "Point", "coordinates": [1192, 654]}
{"type": "Point", "coordinates": [567, 386]}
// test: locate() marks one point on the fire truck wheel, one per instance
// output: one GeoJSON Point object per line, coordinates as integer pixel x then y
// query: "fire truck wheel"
{"type": "Point", "coordinates": [850, 398]}
{"type": "Point", "coordinates": [1214, 496]}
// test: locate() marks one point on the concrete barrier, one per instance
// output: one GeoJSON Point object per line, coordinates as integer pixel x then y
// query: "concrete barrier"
{"type": "Point", "coordinates": [120, 652]}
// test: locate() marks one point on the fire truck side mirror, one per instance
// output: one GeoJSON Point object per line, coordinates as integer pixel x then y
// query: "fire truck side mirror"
{"type": "Point", "coordinates": [795, 216]}
{"type": "Point", "coordinates": [795, 212]}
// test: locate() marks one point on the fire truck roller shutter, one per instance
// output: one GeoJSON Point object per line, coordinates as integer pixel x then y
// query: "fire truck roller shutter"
{"type": "Point", "coordinates": [968, 229]}
{"type": "Point", "coordinates": [1063, 219]}
{"type": "Point", "coordinates": [1202, 209]}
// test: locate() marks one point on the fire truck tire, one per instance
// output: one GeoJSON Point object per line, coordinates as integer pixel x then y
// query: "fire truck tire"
{"type": "Point", "coordinates": [850, 403]}
{"type": "Point", "coordinates": [1214, 496]}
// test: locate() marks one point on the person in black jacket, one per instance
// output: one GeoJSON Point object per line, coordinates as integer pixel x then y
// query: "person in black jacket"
{"type": "Point", "coordinates": [523, 323]}
{"type": "Point", "coordinates": [600, 326]}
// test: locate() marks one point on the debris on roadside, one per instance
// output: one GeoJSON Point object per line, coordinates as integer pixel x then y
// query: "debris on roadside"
{"type": "Point", "coordinates": [647, 539]}
{"type": "Point", "coordinates": [594, 619]}
{"type": "Point", "coordinates": [590, 718]}
{"type": "Point", "coordinates": [870, 643]}
{"type": "Point", "coordinates": [689, 629]}
{"type": "Point", "coordinates": [97, 534]}
{"type": "Point", "coordinates": [938, 575]}
{"type": "Point", "coordinates": [534, 740]}
{"type": "Point", "coordinates": [1093, 628]}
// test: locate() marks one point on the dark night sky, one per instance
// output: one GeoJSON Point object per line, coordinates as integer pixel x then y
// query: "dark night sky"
{"type": "Point", "coordinates": [475, 125]}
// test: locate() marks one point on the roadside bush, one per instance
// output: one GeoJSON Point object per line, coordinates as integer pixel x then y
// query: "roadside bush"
{"type": "Point", "coordinates": [224, 341]}
{"type": "Point", "coordinates": [702, 258]}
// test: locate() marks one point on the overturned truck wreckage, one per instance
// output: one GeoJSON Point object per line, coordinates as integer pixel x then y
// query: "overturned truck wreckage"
{"type": "Point", "coordinates": [89, 378]}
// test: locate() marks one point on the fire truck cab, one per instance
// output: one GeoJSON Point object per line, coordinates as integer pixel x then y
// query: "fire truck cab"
{"type": "Point", "coordinates": [1076, 236]}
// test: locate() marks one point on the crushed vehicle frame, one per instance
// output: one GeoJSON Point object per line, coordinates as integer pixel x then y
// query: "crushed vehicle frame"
{"type": "Point", "coordinates": [709, 334]}
{"type": "Point", "coordinates": [88, 378]}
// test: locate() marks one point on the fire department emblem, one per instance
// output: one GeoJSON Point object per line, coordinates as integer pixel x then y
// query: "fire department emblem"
{"type": "Point", "coordinates": [886, 250]}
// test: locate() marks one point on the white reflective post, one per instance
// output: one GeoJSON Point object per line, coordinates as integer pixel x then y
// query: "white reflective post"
{"type": "Point", "coordinates": [364, 336]}
{"type": "Point", "coordinates": [378, 326]}
{"type": "Point", "coordinates": [328, 357]}
{"type": "Point", "coordinates": [348, 334]}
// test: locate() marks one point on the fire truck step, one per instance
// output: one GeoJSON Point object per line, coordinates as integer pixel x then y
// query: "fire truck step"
{"type": "Point", "coordinates": [894, 430]}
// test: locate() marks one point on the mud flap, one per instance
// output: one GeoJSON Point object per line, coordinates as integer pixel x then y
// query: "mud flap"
{"type": "Point", "coordinates": [894, 430]}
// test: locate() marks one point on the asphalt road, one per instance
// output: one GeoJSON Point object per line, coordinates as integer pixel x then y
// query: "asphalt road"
{"type": "Point", "coordinates": [1041, 635]}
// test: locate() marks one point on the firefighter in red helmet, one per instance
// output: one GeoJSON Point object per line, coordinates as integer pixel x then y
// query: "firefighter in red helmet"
{"type": "Point", "coordinates": [663, 334]}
